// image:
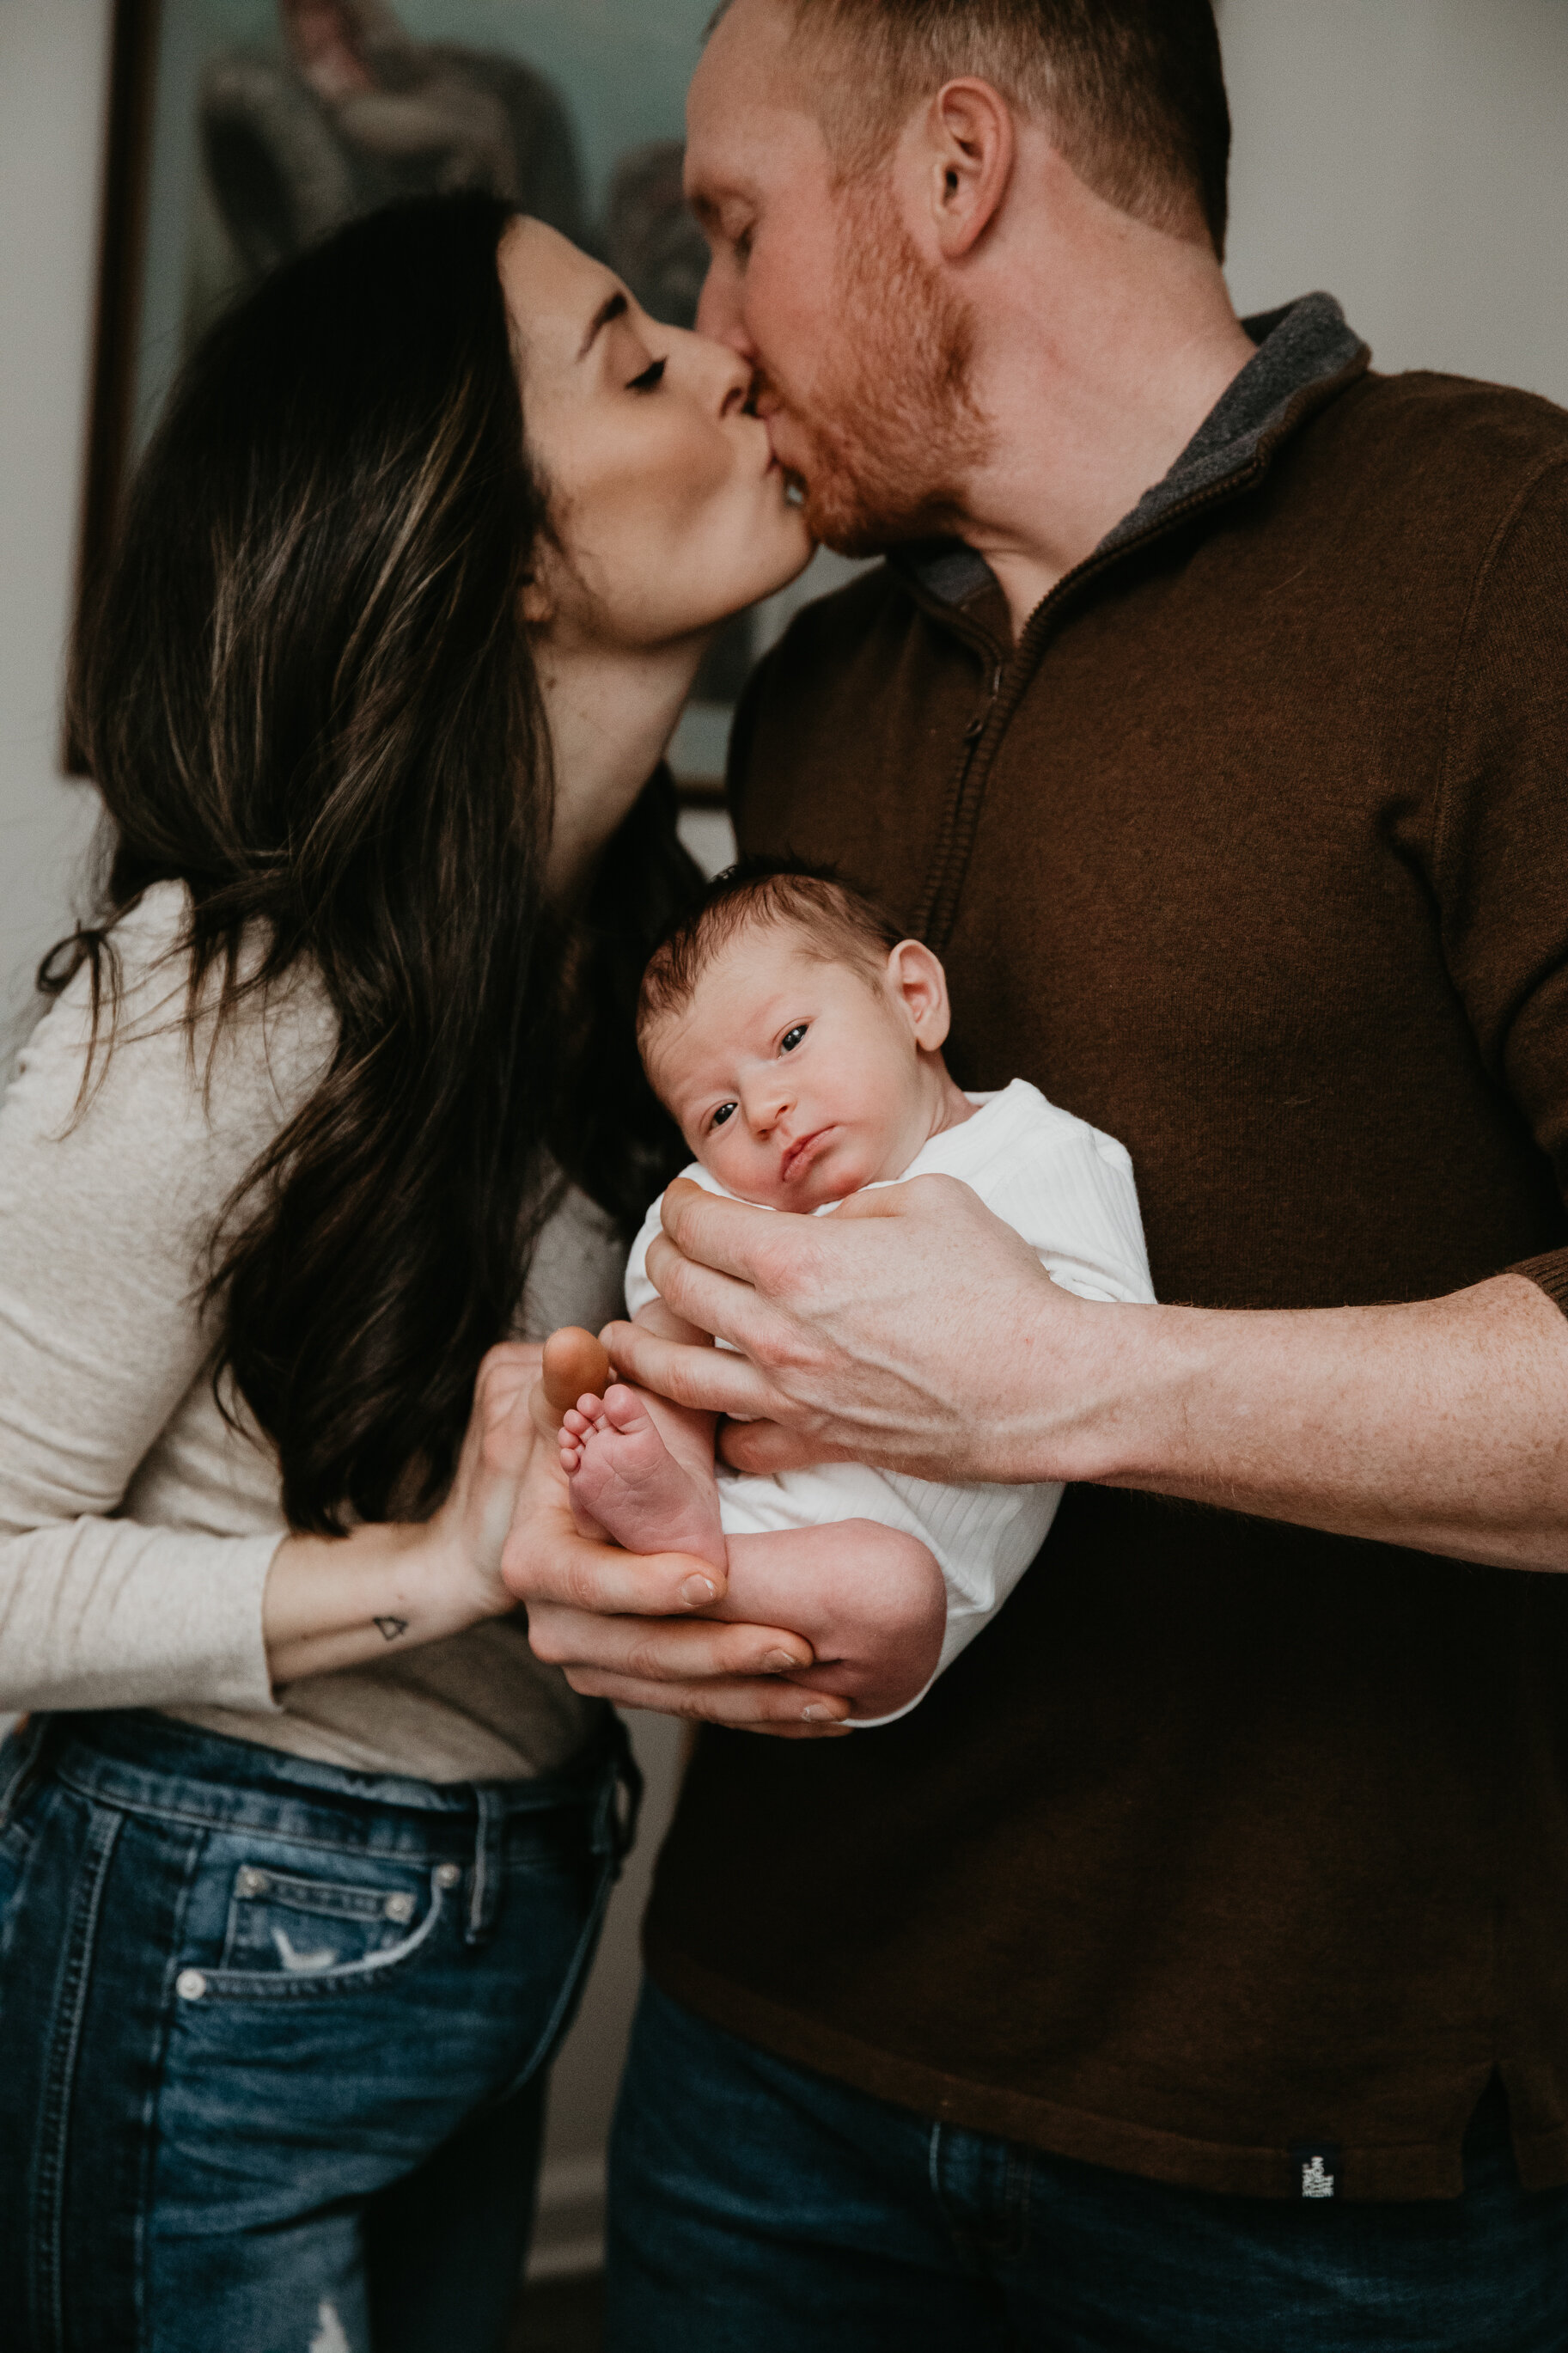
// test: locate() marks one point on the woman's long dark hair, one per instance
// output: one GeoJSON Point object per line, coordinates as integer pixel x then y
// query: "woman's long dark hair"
{"type": "Point", "coordinates": [306, 692]}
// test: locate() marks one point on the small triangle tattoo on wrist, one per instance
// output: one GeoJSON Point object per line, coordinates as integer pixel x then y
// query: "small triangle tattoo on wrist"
{"type": "Point", "coordinates": [390, 1628]}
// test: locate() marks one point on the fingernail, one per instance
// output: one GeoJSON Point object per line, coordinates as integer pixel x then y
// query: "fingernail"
{"type": "Point", "coordinates": [696, 1592]}
{"type": "Point", "coordinates": [778, 1662]}
{"type": "Point", "coordinates": [820, 1713]}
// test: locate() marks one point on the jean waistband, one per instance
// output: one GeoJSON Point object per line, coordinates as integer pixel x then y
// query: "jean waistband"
{"type": "Point", "coordinates": [143, 1763]}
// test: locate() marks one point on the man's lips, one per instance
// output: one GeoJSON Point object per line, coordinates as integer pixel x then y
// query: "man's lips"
{"type": "Point", "coordinates": [801, 1155]}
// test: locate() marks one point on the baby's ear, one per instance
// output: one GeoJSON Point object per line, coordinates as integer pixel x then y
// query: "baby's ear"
{"type": "Point", "coordinates": [917, 980]}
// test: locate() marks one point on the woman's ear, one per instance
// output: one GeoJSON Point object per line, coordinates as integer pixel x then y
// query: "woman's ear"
{"type": "Point", "coordinates": [917, 979]}
{"type": "Point", "coordinates": [538, 604]}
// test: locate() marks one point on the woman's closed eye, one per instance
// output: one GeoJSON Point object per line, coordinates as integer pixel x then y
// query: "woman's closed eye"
{"type": "Point", "coordinates": [650, 379]}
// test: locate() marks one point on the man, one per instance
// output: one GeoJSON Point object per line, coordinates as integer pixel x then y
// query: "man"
{"type": "Point", "coordinates": [1185, 1972]}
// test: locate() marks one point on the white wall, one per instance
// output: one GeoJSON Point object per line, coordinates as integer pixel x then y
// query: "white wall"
{"type": "Point", "coordinates": [1408, 155]}
{"type": "Point", "coordinates": [1411, 156]}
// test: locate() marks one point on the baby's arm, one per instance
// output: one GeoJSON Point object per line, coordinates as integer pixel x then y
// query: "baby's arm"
{"type": "Point", "coordinates": [869, 1599]}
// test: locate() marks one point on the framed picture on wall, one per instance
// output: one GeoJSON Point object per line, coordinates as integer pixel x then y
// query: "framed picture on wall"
{"type": "Point", "coordinates": [243, 131]}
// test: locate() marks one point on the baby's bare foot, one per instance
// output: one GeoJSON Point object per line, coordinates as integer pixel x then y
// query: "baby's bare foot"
{"type": "Point", "coordinates": [625, 1481]}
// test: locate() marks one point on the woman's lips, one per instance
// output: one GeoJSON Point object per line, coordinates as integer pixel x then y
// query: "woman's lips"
{"type": "Point", "coordinates": [801, 1156]}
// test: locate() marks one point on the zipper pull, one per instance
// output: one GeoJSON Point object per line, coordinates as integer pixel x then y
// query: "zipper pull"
{"type": "Point", "coordinates": [976, 727]}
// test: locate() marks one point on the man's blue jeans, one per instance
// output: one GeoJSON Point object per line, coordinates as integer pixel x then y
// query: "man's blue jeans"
{"type": "Point", "coordinates": [273, 2039]}
{"type": "Point", "coordinates": [757, 2208]}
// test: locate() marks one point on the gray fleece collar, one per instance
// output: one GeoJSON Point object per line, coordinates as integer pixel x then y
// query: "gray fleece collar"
{"type": "Point", "coordinates": [1306, 344]}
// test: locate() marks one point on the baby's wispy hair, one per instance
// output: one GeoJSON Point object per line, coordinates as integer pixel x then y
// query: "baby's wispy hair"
{"type": "Point", "coordinates": [838, 925]}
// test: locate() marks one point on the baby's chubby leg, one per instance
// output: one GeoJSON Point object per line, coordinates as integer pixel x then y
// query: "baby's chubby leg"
{"type": "Point", "coordinates": [869, 1599]}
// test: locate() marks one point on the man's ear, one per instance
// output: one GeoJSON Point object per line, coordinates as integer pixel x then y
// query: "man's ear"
{"type": "Point", "coordinates": [971, 149]}
{"type": "Point", "coordinates": [917, 979]}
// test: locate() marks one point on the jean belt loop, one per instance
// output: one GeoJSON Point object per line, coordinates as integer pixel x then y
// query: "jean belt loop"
{"type": "Point", "coordinates": [26, 1767]}
{"type": "Point", "coordinates": [485, 1883]}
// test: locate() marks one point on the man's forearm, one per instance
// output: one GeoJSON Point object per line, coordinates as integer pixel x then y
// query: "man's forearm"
{"type": "Point", "coordinates": [915, 1331]}
{"type": "Point", "coordinates": [1443, 1425]}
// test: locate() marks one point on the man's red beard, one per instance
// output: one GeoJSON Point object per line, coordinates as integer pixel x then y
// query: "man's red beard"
{"type": "Point", "coordinates": [892, 428]}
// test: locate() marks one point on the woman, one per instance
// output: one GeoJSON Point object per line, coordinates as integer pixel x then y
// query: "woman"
{"type": "Point", "coordinates": [301, 1853]}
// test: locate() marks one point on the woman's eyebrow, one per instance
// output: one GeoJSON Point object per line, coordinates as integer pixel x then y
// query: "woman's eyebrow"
{"type": "Point", "coordinates": [614, 306]}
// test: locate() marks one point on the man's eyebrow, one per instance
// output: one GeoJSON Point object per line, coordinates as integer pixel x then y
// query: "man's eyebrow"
{"type": "Point", "coordinates": [614, 306]}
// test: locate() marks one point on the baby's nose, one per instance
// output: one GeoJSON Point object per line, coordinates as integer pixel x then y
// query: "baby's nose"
{"type": "Point", "coordinates": [770, 1105]}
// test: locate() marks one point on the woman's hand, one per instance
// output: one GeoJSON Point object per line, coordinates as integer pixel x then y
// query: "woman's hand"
{"type": "Point", "coordinates": [624, 1626]}
{"type": "Point", "coordinates": [335, 1602]}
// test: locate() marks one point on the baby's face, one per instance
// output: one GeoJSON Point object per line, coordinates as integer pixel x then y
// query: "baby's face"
{"type": "Point", "coordinates": [795, 1080]}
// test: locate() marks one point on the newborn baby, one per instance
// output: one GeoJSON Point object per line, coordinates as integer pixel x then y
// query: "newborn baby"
{"type": "Point", "coordinates": [796, 1038]}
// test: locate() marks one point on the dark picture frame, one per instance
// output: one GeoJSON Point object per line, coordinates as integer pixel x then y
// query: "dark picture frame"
{"type": "Point", "coordinates": [121, 252]}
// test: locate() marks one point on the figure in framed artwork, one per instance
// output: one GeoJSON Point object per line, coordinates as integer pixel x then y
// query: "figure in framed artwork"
{"type": "Point", "coordinates": [350, 112]}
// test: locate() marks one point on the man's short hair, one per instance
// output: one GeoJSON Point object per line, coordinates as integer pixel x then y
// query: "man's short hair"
{"type": "Point", "coordinates": [837, 924]}
{"type": "Point", "coordinates": [1134, 91]}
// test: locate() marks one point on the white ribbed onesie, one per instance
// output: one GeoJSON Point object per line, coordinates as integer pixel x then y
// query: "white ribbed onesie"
{"type": "Point", "coordinates": [1069, 1192]}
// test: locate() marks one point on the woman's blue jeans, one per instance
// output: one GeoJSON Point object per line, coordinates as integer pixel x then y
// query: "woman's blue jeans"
{"type": "Point", "coordinates": [757, 2208]}
{"type": "Point", "coordinates": [274, 2039]}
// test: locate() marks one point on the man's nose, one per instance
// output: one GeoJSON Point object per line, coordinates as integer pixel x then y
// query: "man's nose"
{"type": "Point", "coordinates": [719, 311]}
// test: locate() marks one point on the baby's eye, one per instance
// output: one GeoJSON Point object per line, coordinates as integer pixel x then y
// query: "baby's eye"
{"type": "Point", "coordinates": [791, 1037]}
{"type": "Point", "coordinates": [724, 1112]}
{"type": "Point", "coordinates": [650, 379]}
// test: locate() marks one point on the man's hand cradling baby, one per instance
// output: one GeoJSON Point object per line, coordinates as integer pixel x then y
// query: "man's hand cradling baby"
{"type": "Point", "coordinates": [911, 1328]}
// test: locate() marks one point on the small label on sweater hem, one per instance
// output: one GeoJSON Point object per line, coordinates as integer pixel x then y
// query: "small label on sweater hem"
{"type": "Point", "coordinates": [1315, 2167]}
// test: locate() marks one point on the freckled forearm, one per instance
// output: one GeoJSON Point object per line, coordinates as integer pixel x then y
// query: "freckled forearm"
{"type": "Point", "coordinates": [1442, 1425]}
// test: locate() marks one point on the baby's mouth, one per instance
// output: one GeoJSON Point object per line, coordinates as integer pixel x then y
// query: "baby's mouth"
{"type": "Point", "coordinates": [801, 1155]}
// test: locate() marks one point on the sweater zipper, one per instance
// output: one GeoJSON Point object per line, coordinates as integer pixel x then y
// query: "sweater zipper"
{"type": "Point", "coordinates": [984, 736]}
{"type": "Point", "coordinates": [957, 809]}
{"type": "Point", "coordinates": [976, 727]}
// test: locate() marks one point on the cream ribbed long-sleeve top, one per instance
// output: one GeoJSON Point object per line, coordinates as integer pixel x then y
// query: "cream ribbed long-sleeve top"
{"type": "Point", "coordinates": [1069, 1191]}
{"type": "Point", "coordinates": [137, 1528]}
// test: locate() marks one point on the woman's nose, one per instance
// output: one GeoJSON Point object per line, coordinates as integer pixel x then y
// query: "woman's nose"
{"type": "Point", "coordinates": [725, 376]}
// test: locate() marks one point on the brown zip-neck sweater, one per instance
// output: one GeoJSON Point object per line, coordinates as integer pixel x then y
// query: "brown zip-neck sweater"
{"type": "Point", "coordinates": [1227, 1839]}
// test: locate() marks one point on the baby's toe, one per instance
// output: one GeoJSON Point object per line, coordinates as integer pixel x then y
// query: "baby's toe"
{"type": "Point", "coordinates": [622, 1406]}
